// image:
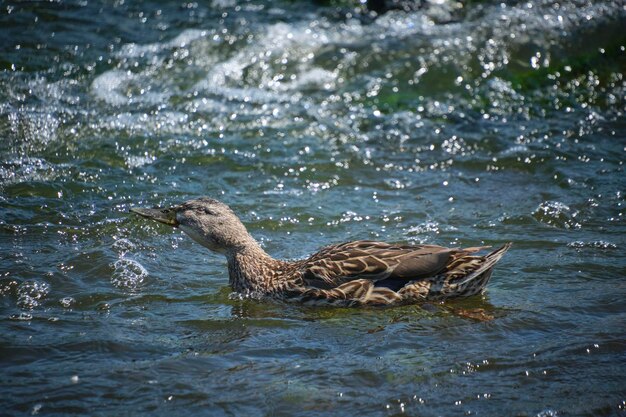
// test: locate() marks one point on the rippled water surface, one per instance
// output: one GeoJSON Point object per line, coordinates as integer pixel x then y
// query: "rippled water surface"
{"type": "Point", "coordinates": [454, 123]}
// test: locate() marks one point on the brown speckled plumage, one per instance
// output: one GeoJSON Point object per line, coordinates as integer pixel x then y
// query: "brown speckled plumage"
{"type": "Point", "coordinates": [352, 273]}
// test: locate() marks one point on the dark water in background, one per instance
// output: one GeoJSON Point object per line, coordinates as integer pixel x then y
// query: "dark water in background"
{"type": "Point", "coordinates": [450, 125]}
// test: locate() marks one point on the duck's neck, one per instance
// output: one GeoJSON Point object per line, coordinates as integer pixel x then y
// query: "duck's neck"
{"type": "Point", "coordinates": [251, 269]}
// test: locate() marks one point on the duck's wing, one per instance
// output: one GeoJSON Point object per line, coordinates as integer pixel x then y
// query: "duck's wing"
{"type": "Point", "coordinates": [396, 264]}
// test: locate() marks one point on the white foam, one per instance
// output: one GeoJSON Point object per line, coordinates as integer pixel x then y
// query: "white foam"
{"type": "Point", "coordinates": [108, 85]}
{"type": "Point", "coordinates": [134, 50]}
{"type": "Point", "coordinates": [315, 77]}
{"type": "Point", "coordinates": [297, 41]}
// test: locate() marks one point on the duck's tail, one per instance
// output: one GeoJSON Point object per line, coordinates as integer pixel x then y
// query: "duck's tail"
{"type": "Point", "coordinates": [465, 276]}
{"type": "Point", "coordinates": [485, 268]}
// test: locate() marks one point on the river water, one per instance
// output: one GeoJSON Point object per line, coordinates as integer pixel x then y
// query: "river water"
{"type": "Point", "coordinates": [453, 124]}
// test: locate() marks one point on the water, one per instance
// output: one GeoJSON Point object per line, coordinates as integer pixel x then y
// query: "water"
{"type": "Point", "coordinates": [452, 124]}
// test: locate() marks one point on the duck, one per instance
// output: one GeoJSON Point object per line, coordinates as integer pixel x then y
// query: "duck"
{"type": "Point", "coordinates": [355, 273]}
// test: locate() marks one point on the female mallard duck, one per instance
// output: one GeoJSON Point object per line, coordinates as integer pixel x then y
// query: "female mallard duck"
{"type": "Point", "coordinates": [354, 273]}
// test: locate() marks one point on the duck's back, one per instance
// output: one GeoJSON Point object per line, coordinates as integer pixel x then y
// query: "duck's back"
{"type": "Point", "coordinates": [368, 272]}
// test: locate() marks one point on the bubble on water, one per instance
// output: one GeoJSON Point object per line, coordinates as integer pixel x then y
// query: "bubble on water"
{"type": "Point", "coordinates": [21, 317]}
{"type": "Point", "coordinates": [555, 213]}
{"type": "Point", "coordinates": [103, 307]}
{"type": "Point", "coordinates": [515, 150]}
{"type": "Point", "coordinates": [137, 161]}
{"type": "Point", "coordinates": [36, 409]}
{"type": "Point", "coordinates": [396, 183]}
{"type": "Point", "coordinates": [428, 228]}
{"type": "Point", "coordinates": [247, 295]}
{"type": "Point", "coordinates": [547, 413]}
{"type": "Point", "coordinates": [67, 302]}
{"type": "Point", "coordinates": [31, 293]}
{"type": "Point", "coordinates": [596, 244]}
{"type": "Point", "coordinates": [123, 245]}
{"type": "Point", "coordinates": [128, 274]}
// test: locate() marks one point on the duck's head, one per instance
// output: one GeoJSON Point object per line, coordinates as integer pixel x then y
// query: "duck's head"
{"type": "Point", "coordinates": [209, 222]}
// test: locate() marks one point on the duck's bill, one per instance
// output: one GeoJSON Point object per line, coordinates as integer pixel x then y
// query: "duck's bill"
{"type": "Point", "coordinates": [165, 216]}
